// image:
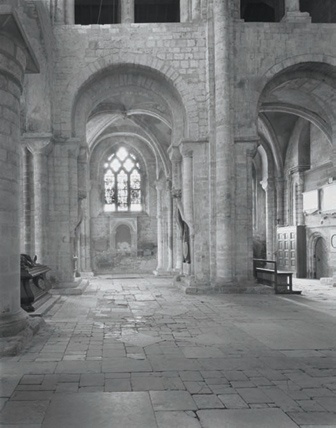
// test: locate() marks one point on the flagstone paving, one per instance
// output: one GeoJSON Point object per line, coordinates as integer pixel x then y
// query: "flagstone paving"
{"type": "Point", "coordinates": [137, 352]}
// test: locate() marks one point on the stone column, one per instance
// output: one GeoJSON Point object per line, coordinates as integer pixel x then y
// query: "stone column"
{"type": "Point", "coordinates": [27, 244]}
{"type": "Point", "coordinates": [292, 12]}
{"type": "Point", "coordinates": [176, 158]}
{"type": "Point", "coordinates": [63, 218]}
{"type": "Point", "coordinates": [299, 205]}
{"type": "Point", "coordinates": [296, 188]}
{"type": "Point", "coordinates": [187, 196]}
{"type": "Point", "coordinates": [14, 58]}
{"type": "Point", "coordinates": [73, 152]}
{"type": "Point", "coordinates": [270, 218]}
{"type": "Point", "coordinates": [84, 252]}
{"type": "Point", "coordinates": [245, 150]}
{"type": "Point", "coordinates": [127, 11]}
{"type": "Point", "coordinates": [39, 146]}
{"type": "Point", "coordinates": [187, 184]}
{"type": "Point", "coordinates": [224, 146]}
{"type": "Point", "coordinates": [160, 185]}
{"type": "Point", "coordinates": [279, 183]}
{"type": "Point", "coordinates": [169, 225]}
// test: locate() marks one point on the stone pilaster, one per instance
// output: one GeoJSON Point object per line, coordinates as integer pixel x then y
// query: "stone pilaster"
{"type": "Point", "coordinates": [184, 10]}
{"type": "Point", "coordinates": [224, 145]}
{"type": "Point", "coordinates": [127, 11]}
{"type": "Point", "coordinates": [195, 10]}
{"type": "Point", "coordinates": [39, 145]}
{"type": "Point", "coordinates": [59, 11]}
{"type": "Point", "coordinates": [70, 12]}
{"type": "Point", "coordinates": [15, 55]}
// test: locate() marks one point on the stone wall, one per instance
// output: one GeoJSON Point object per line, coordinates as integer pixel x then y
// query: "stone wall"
{"type": "Point", "coordinates": [177, 51]}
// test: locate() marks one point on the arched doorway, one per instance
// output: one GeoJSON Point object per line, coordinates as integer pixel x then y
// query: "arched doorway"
{"type": "Point", "coordinates": [321, 258]}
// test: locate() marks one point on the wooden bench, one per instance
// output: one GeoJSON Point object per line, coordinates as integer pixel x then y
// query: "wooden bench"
{"type": "Point", "coordinates": [30, 270]}
{"type": "Point", "coordinates": [280, 280]}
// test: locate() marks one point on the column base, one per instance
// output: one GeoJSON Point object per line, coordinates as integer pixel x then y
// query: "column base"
{"type": "Point", "coordinates": [86, 274]}
{"type": "Point", "coordinates": [162, 272]}
{"type": "Point", "coordinates": [11, 325]}
{"type": "Point", "coordinates": [74, 288]}
{"type": "Point", "coordinates": [189, 285]}
{"type": "Point", "coordinates": [13, 344]}
{"type": "Point", "coordinates": [297, 17]}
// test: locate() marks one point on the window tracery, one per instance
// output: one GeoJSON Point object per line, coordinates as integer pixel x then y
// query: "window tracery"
{"type": "Point", "coordinates": [122, 182]}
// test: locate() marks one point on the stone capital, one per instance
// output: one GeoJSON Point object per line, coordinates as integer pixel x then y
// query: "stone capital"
{"type": "Point", "coordinates": [186, 149]}
{"type": "Point", "coordinates": [38, 143]}
{"type": "Point", "coordinates": [268, 184]}
{"type": "Point", "coordinates": [174, 154]}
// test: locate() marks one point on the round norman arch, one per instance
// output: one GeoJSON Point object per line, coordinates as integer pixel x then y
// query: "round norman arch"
{"type": "Point", "coordinates": [313, 104]}
{"type": "Point", "coordinates": [139, 79]}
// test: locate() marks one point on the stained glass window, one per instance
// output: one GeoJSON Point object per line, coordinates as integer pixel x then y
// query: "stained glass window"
{"type": "Point", "coordinates": [122, 181]}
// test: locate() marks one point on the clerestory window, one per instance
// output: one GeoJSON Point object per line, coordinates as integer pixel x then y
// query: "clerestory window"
{"type": "Point", "coordinates": [97, 12]}
{"type": "Point", "coordinates": [262, 10]}
{"type": "Point", "coordinates": [122, 182]}
{"type": "Point", "coordinates": [146, 11]}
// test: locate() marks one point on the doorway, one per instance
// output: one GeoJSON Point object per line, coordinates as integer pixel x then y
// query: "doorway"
{"type": "Point", "coordinates": [321, 258]}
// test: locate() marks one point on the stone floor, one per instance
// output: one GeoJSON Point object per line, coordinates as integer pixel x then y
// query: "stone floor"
{"type": "Point", "coordinates": [138, 353]}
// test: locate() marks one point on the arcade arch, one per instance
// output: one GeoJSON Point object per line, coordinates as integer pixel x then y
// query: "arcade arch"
{"type": "Point", "coordinates": [296, 124]}
{"type": "Point", "coordinates": [143, 113]}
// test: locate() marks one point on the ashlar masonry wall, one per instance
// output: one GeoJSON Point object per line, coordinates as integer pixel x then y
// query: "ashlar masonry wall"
{"type": "Point", "coordinates": [177, 51]}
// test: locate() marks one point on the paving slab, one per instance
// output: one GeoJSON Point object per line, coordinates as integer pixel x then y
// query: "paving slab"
{"type": "Point", "coordinates": [172, 400]}
{"type": "Point", "coordinates": [251, 418]}
{"type": "Point", "coordinates": [176, 419]}
{"type": "Point", "coordinates": [101, 409]}
{"type": "Point", "coordinates": [313, 418]}
{"type": "Point", "coordinates": [207, 401]}
{"type": "Point", "coordinates": [124, 364]}
{"type": "Point", "coordinates": [8, 385]}
{"type": "Point", "coordinates": [24, 412]}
